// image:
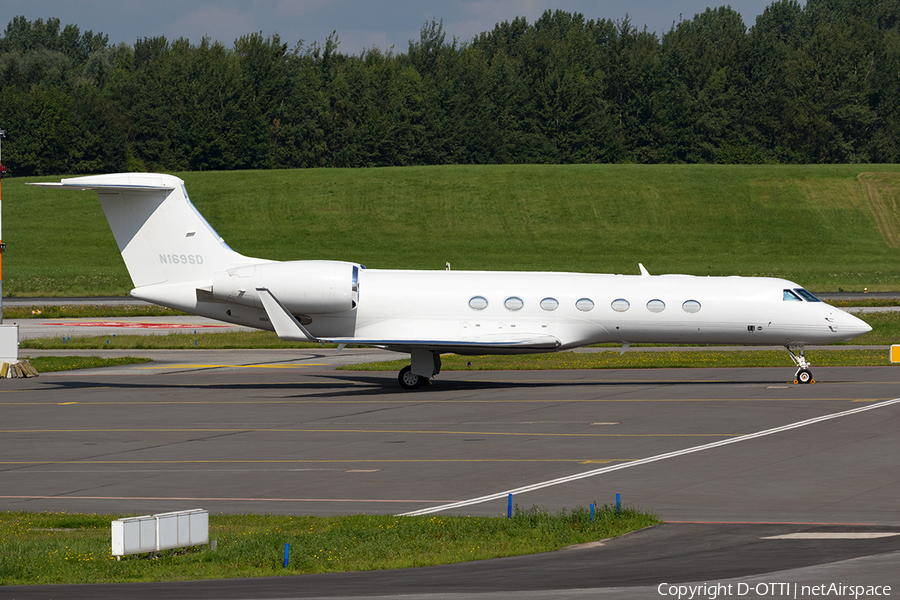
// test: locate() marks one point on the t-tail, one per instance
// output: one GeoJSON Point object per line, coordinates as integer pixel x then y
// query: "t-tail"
{"type": "Point", "coordinates": [161, 235]}
{"type": "Point", "coordinates": [176, 259]}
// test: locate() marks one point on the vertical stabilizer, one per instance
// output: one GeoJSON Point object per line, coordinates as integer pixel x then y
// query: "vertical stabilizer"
{"type": "Point", "coordinates": [161, 235]}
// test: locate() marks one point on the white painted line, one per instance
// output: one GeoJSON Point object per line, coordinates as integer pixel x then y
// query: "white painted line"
{"type": "Point", "coordinates": [834, 535]}
{"type": "Point", "coordinates": [648, 460]}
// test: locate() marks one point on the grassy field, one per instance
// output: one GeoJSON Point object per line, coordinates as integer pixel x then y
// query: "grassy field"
{"type": "Point", "coordinates": [50, 548]}
{"type": "Point", "coordinates": [79, 311]}
{"type": "Point", "coordinates": [170, 341]}
{"type": "Point", "coordinates": [637, 359]}
{"type": "Point", "coordinates": [48, 364]}
{"type": "Point", "coordinates": [822, 226]}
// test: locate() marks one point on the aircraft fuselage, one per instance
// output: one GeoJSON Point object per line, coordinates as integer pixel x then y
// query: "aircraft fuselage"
{"type": "Point", "coordinates": [576, 308]}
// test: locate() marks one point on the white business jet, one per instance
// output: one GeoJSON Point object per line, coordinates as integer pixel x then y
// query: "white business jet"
{"type": "Point", "coordinates": [176, 259]}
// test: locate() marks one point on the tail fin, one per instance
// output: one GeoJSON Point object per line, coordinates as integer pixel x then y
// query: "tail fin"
{"type": "Point", "coordinates": [161, 235]}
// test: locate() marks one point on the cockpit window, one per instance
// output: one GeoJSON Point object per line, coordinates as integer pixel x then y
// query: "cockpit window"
{"type": "Point", "coordinates": [790, 296]}
{"type": "Point", "coordinates": [806, 295]}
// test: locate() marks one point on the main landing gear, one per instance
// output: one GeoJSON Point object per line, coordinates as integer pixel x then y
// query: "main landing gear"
{"type": "Point", "coordinates": [425, 365]}
{"type": "Point", "coordinates": [803, 375]}
{"type": "Point", "coordinates": [409, 380]}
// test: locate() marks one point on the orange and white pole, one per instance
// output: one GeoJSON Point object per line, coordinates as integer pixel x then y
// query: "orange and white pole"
{"type": "Point", "coordinates": [2, 247]}
{"type": "Point", "coordinates": [9, 334]}
{"type": "Point", "coordinates": [1, 251]}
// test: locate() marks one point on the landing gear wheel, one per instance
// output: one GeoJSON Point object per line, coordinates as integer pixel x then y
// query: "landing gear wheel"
{"type": "Point", "coordinates": [409, 380]}
{"type": "Point", "coordinates": [804, 376]}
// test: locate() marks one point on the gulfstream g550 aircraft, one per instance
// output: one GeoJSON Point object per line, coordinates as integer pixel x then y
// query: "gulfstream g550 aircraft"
{"type": "Point", "coordinates": [176, 259]}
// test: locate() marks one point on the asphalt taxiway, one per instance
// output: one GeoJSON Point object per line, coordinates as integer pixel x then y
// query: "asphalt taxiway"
{"type": "Point", "coordinates": [726, 457]}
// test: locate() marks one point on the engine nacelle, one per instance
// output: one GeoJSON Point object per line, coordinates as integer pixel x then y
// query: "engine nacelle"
{"type": "Point", "coordinates": [303, 286]}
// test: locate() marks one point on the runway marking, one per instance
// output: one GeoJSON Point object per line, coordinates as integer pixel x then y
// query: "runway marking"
{"type": "Point", "coordinates": [357, 431]}
{"type": "Point", "coordinates": [266, 366]}
{"type": "Point", "coordinates": [833, 535]}
{"type": "Point", "coordinates": [650, 459]}
{"type": "Point", "coordinates": [417, 402]}
{"type": "Point", "coordinates": [776, 523]}
{"type": "Point", "coordinates": [135, 325]}
{"type": "Point", "coordinates": [310, 461]}
{"type": "Point", "coordinates": [254, 469]}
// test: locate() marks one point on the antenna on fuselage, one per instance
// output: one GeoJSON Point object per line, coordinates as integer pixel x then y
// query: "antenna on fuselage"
{"type": "Point", "coordinates": [644, 272]}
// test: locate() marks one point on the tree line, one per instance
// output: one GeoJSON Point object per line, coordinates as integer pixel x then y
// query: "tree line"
{"type": "Point", "coordinates": [818, 83]}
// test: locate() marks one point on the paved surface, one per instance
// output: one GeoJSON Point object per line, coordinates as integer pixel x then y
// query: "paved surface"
{"type": "Point", "coordinates": [282, 432]}
{"type": "Point", "coordinates": [634, 566]}
{"type": "Point", "coordinates": [111, 326]}
{"type": "Point", "coordinates": [74, 301]}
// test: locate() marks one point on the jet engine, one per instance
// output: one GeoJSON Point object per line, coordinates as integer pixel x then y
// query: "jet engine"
{"type": "Point", "coordinates": [303, 286]}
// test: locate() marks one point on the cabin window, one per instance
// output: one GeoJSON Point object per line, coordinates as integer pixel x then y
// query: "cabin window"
{"type": "Point", "coordinates": [585, 304]}
{"type": "Point", "coordinates": [656, 306]}
{"type": "Point", "coordinates": [478, 303]}
{"type": "Point", "coordinates": [691, 306]}
{"type": "Point", "coordinates": [790, 296]}
{"type": "Point", "coordinates": [513, 303]}
{"type": "Point", "coordinates": [620, 305]}
{"type": "Point", "coordinates": [549, 304]}
{"type": "Point", "coordinates": [806, 295]}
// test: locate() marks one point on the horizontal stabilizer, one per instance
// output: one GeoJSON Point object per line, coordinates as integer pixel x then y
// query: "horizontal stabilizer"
{"type": "Point", "coordinates": [101, 187]}
{"type": "Point", "coordinates": [161, 235]}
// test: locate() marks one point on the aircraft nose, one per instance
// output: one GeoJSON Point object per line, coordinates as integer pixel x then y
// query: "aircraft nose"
{"type": "Point", "coordinates": [850, 325]}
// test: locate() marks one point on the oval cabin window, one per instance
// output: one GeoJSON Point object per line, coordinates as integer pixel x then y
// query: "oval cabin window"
{"type": "Point", "coordinates": [478, 303]}
{"type": "Point", "coordinates": [656, 306]}
{"type": "Point", "coordinates": [585, 304]}
{"type": "Point", "coordinates": [621, 305]}
{"type": "Point", "coordinates": [549, 304]}
{"type": "Point", "coordinates": [514, 303]}
{"type": "Point", "coordinates": [691, 306]}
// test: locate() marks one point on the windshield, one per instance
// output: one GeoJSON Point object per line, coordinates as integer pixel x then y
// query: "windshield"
{"type": "Point", "coordinates": [806, 295]}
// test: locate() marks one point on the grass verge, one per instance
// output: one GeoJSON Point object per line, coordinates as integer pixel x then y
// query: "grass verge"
{"type": "Point", "coordinates": [637, 359]}
{"type": "Point", "coordinates": [55, 548]}
{"type": "Point", "coordinates": [48, 364]}
{"type": "Point", "coordinates": [80, 311]}
{"type": "Point", "coordinates": [170, 341]}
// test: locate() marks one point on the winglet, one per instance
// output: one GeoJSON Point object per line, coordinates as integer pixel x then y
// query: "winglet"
{"type": "Point", "coordinates": [644, 272]}
{"type": "Point", "coordinates": [287, 327]}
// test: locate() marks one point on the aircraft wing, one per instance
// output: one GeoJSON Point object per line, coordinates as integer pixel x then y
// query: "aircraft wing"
{"type": "Point", "coordinates": [289, 328]}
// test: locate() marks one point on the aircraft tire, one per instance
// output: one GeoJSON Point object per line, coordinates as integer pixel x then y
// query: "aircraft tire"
{"type": "Point", "coordinates": [409, 380]}
{"type": "Point", "coordinates": [804, 376]}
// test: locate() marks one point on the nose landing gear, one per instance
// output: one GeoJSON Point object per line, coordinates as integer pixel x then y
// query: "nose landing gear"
{"type": "Point", "coordinates": [803, 375]}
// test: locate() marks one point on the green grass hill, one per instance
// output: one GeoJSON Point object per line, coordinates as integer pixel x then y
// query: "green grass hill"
{"type": "Point", "coordinates": [828, 227]}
